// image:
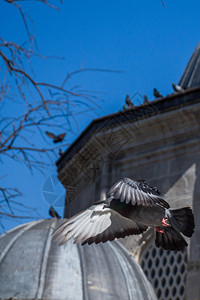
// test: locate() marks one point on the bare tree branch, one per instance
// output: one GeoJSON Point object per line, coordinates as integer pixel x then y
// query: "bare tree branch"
{"type": "Point", "coordinates": [87, 70]}
{"type": "Point", "coordinates": [18, 217]}
{"type": "Point", "coordinates": [42, 104]}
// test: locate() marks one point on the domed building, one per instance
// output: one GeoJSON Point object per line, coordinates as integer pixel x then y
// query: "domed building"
{"type": "Point", "coordinates": [32, 266]}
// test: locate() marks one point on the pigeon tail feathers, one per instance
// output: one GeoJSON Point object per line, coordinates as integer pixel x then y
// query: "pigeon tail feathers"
{"type": "Point", "coordinates": [184, 219]}
{"type": "Point", "coordinates": [170, 239]}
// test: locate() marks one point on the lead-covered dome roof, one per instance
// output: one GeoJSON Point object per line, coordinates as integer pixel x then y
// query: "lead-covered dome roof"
{"type": "Point", "coordinates": [34, 267]}
{"type": "Point", "coordinates": [190, 77]}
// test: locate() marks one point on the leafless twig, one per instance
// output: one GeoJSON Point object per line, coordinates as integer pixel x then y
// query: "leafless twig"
{"type": "Point", "coordinates": [39, 106]}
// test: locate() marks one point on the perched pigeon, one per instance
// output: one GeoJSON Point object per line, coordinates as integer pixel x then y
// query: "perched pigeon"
{"type": "Point", "coordinates": [56, 138]}
{"type": "Point", "coordinates": [130, 208]}
{"type": "Point", "coordinates": [146, 100]}
{"type": "Point", "coordinates": [177, 88]}
{"type": "Point", "coordinates": [60, 152]}
{"type": "Point", "coordinates": [128, 102]}
{"type": "Point", "coordinates": [53, 213]}
{"type": "Point", "coordinates": [157, 94]}
{"type": "Point", "coordinates": [125, 107]}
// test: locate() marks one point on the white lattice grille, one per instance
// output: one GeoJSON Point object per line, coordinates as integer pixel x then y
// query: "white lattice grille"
{"type": "Point", "coordinates": [166, 270]}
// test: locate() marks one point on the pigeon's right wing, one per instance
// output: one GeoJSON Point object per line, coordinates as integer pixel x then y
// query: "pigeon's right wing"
{"type": "Point", "coordinates": [51, 135]}
{"type": "Point", "coordinates": [136, 192]}
{"type": "Point", "coordinates": [97, 224]}
{"type": "Point", "coordinates": [61, 136]}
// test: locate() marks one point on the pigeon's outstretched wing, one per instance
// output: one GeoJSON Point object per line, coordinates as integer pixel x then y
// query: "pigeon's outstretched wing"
{"type": "Point", "coordinates": [61, 136]}
{"type": "Point", "coordinates": [97, 224]}
{"type": "Point", "coordinates": [136, 192]}
{"type": "Point", "coordinates": [50, 134]}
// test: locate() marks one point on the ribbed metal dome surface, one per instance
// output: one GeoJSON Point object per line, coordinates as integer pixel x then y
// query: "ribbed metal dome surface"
{"type": "Point", "coordinates": [34, 267]}
{"type": "Point", "coordinates": [191, 74]}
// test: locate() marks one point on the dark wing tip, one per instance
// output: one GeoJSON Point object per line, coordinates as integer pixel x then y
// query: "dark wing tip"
{"type": "Point", "coordinates": [154, 188]}
{"type": "Point", "coordinates": [136, 192]}
{"type": "Point", "coordinates": [147, 188]}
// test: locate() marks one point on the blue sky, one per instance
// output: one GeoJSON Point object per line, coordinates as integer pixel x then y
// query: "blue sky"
{"type": "Point", "coordinates": [149, 43]}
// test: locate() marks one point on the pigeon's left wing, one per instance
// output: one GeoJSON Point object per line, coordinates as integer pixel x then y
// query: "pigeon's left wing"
{"type": "Point", "coordinates": [50, 134]}
{"type": "Point", "coordinates": [136, 192]}
{"type": "Point", "coordinates": [97, 224]}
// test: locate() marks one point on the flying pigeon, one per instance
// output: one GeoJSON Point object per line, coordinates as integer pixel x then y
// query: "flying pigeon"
{"type": "Point", "coordinates": [130, 208]}
{"type": "Point", "coordinates": [157, 94]}
{"type": "Point", "coordinates": [146, 100]}
{"type": "Point", "coordinates": [56, 138]}
{"type": "Point", "coordinates": [177, 88]}
{"type": "Point", "coordinates": [53, 213]}
{"type": "Point", "coordinates": [128, 102]}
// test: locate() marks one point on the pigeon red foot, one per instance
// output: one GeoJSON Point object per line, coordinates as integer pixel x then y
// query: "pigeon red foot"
{"type": "Point", "coordinates": [159, 230]}
{"type": "Point", "coordinates": [164, 222]}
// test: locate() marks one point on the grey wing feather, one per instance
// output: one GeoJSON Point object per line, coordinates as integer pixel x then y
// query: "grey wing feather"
{"type": "Point", "coordinates": [96, 224]}
{"type": "Point", "coordinates": [132, 196]}
{"type": "Point", "coordinates": [128, 195]}
{"type": "Point", "coordinates": [136, 192]}
{"type": "Point", "coordinates": [110, 234]}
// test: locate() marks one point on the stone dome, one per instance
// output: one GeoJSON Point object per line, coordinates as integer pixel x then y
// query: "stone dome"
{"type": "Point", "coordinates": [190, 77]}
{"type": "Point", "coordinates": [34, 267]}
